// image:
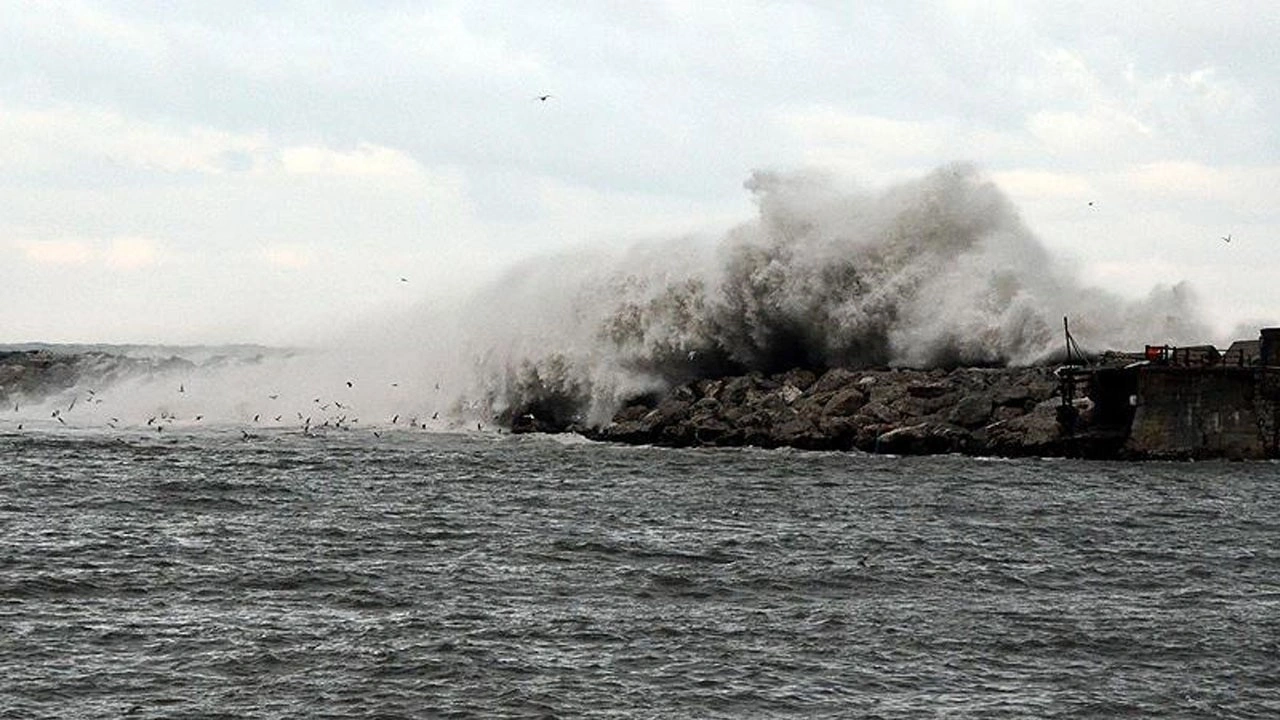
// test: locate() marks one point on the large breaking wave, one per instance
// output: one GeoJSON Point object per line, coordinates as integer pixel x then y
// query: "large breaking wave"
{"type": "Point", "coordinates": [938, 271]}
{"type": "Point", "coordinates": [935, 272]}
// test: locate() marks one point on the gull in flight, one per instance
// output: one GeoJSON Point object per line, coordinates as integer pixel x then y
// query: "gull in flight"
{"type": "Point", "coordinates": [1227, 238]}
{"type": "Point", "coordinates": [544, 98]}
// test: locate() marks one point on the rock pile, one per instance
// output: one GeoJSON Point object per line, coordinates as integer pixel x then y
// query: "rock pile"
{"type": "Point", "coordinates": [978, 411]}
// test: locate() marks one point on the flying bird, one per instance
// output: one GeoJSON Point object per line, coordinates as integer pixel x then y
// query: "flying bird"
{"type": "Point", "coordinates": [544, 98]}
{"type": "Point", "coordinates": [1227, 238]}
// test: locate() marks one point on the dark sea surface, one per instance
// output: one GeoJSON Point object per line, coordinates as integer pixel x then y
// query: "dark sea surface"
{"type": "Point", "coordinates": [430, 575]}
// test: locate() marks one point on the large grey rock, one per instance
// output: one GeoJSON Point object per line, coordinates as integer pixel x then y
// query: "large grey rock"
{"type": "Point", "coordinates": [844, 403]}
{"type": "Point", "coordinates": [833, 380]}
{"type": "Point", "coordinates": [971, 411]}
{"type": "Point", "coordinates": [1035, 433]}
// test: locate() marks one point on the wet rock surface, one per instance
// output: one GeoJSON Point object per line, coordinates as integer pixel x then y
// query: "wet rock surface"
{"type": "Point", "coordinates": [976, 411]}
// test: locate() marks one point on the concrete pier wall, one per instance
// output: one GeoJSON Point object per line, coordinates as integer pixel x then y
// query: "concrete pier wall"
{"type": "Point", "coordinates": [1196, 413]}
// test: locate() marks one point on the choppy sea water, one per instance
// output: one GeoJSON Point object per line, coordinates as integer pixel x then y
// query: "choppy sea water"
{"type": "Point", "coordinates": [431, 575]}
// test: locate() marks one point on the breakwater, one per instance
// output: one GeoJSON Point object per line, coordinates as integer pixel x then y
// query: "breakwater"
{"type": "Point", "coordinates": [1131, 411]}
{"type": "Point", "coordinates": [976, 411]}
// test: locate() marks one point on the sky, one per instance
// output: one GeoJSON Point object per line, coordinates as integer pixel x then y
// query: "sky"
{"type": "Point", "coordinates": [268, 172]}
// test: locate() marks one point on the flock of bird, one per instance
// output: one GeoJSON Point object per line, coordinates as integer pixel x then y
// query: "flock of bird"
{"type": "Point", "coordinates": [316, 419]}
{"type": "Point", "coordinates": [322, 414]}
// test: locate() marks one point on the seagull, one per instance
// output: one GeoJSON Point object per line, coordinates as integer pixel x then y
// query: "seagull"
{"type": "Point", "coordinates": [1227, 238]}
{"type": "Point", "coordinates": [404, 279]}
{"type": "Point", "coordinates": [349, 384]}
{"type": "Point", "coordinates": [544, 98]}
{"type": "Point", "coordinates": [1090, 203]}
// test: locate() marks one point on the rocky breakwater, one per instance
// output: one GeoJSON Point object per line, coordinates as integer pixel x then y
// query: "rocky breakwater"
{"type": "Point", "coordinates": [976, 411]}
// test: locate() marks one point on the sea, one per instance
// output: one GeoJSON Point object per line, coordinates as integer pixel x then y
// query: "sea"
{"type": "Point", "coordinates": [413, 574]}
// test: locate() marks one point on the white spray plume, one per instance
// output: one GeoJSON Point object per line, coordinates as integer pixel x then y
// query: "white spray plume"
{"type": "Point", "coordinates": [938, 271]}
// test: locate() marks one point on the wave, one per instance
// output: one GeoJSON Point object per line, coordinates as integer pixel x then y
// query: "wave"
{"type": "Point", "coordinates": [939, 271]}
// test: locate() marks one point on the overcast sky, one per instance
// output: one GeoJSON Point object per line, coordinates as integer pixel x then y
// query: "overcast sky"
{"type": "Point", "coordinates": [252, 172]}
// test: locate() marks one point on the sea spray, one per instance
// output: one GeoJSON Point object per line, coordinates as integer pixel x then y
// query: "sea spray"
{"type": "Point", "coordinates": [937, 271]}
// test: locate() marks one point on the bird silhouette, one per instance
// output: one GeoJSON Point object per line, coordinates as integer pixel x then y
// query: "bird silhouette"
{"type": "Point", "coordinates": [544, 98]}
{"type": "Point", "coordinates": [1227, 238]}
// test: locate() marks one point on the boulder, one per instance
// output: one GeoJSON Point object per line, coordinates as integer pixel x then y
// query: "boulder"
{"type": "Point", "coordinates": [1035, 433]}
{"type": "Point", "coordinates": [971, 411]}
{"type": "Point", "coordinates": [833, 380]}
{"type": "Point", "coordinates": [844, 403]}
